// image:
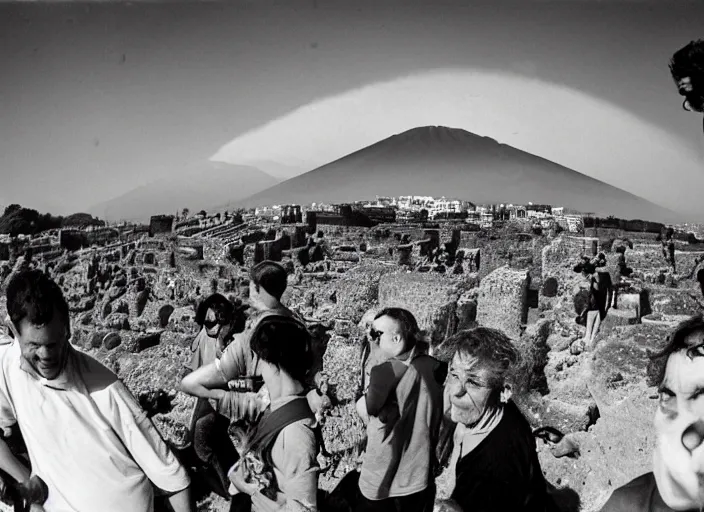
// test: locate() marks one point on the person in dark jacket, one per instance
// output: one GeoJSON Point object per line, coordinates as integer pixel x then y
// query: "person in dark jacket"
{"type": "Point", "coordinates": [677, 479]}
{"type": "Point", "coordinates": [494, 455]}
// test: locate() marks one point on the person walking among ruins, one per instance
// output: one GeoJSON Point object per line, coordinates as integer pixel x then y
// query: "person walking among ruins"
{"type": "Point", "coordinates": [87, 436]}
{"type": "Point", "coordinates": [677, 479]}
{"type": "Point", "coordinates": [493, 463]}
{"type": "Point", "coordinates": [595, 304]}
{"type": "Point", "coordinates": [402, 409]}
{"type": "Point", "coordinates": [279, 469]}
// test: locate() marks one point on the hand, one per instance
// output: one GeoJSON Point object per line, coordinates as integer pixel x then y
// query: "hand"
{"type": "Point", "coordinates": [218, 394]}
{"type": "Point", "coordinates": [361, 407]}
{"type": "Point", "coordinates": [237, 479]}
{"type": "Point", "coordinates": [264, 504]}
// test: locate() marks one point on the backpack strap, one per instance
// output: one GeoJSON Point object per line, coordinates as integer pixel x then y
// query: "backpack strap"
{"type": "Point", "coordinates": [273, 422]}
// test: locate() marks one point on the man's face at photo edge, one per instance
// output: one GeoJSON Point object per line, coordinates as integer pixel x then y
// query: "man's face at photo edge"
{"type": "Point", "coordinates": [679, 427]}
{"type": "Point", "coordinates": [44, 347]}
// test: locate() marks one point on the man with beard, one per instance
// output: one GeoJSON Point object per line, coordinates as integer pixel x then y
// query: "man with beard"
{"type": "Point", "coordinates": [687, 69]}
{"type": "Point", "coordinates": [677, 479]}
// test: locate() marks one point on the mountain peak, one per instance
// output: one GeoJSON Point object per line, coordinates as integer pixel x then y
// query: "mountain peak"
{"type": "Point", "coordinates": [451, 162]}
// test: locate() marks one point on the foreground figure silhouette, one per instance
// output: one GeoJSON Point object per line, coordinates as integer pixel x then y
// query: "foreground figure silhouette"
{"type": "Point", "coordinates": [677, 479]}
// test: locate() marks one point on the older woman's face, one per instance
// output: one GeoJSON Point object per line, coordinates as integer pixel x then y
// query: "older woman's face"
{"type": "Point", "coordinates": [466, 389]}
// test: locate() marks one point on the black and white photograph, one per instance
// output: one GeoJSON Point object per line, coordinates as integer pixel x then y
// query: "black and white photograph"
{"type": "Point", "coordinates": [351, 255]}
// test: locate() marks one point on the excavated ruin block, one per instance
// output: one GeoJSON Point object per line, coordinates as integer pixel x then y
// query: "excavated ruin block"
{"type": "Point", "coordinates": [502, 302]}
{"type": "Point", "coordinates": [432, 298]}
{"type": "Point", "coordinates": [140, 342]}
{"type": "Point", "coordinates": [111, 340]}
{"type": "Point", "coordinates": [117, 321]}
{"type": "Point", "coordinates": [159, 369]}
{"type": "Point", "coordinates": [342, 364]}
{"type": "Point", "coordinates": [358, 290]}
{"type": "Point", "coordinates": [164, 314]}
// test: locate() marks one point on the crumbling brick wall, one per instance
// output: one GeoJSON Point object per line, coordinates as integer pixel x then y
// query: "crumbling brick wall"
{"type": "Point", "coordinates": [358, 290]}
{"type": "Point", "coordinates": [432, 298]}
{"type": "Point", "coordinates": [502, 302]}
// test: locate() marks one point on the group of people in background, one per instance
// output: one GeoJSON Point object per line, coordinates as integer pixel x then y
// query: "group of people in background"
{"type": "Point", "coordinates": [88, 445]}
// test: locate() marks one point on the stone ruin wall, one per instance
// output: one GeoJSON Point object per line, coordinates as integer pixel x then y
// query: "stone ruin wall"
{"type": "Point", "coordinates": [502, 301]}
{"type": "Point", "coordinates": [432, 298]}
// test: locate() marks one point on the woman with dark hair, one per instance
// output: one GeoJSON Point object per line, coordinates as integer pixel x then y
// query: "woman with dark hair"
{"type": "Point", "coordinates": [218, 320]}
{"type": "Point", "coordinates": [494, 461]}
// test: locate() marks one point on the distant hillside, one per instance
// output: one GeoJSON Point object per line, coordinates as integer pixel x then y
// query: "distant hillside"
{"type": "Point", "coordinates": [202, 188]}
{"type": "Point", "coordinates": [440, 161]}
{"type": "Point", "coordinates": [279, 171]}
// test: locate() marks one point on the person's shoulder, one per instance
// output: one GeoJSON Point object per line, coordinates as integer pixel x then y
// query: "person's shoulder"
{"type": "Point", "coordinates": [633, 496]}
{"type": "Point", "coordinates": [96, 376]}
{"type": "Point", "coordinates": [300, 434]}
{"type": "Point", "coordinates": [388, 369]}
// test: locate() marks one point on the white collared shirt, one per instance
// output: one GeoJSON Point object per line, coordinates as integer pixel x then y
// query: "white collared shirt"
{"type": "Point", "coordinates": [87, 436]}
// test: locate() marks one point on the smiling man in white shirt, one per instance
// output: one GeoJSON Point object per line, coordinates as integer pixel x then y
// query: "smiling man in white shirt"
{"type": "Point", "coordinates": [86, 435]}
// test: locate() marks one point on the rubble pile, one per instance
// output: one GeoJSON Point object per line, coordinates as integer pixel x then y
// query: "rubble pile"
{"type": "Point", "coordinates": [133, 307]}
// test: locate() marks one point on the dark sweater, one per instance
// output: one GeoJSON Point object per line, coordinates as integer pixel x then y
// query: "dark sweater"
{"type": "Point", "coordinates": [503, 471]}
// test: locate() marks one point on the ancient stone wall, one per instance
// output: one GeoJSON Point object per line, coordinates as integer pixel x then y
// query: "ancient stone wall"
{"type": "Point", "coordinates": [161, 224]}
{"type": "Point", "coordinates": [432, 298]}
{"type": "Point", "coordinates": [502, 302]}
{"type": "Point", "coordinates": [358, 290]}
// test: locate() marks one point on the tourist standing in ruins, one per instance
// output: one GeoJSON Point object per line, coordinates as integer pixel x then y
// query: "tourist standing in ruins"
{"type": "Point", "coordinates": [279, 468]}
{"type": "Point", "coordinates": [237, 366]}
{"type": "Point", "coordinates": [494, 463]}
{"type": "Point", "coordinates": [622, 271]}
{"type": "Point", "coordinates": [402, 409]}
{"type": "Point", "coordinates": [218, 320]}
{"type": "Point", "coordinates": [668, 248]}
{"type": "Point", "coordinates": [87, 436]}
{"type": "Point", "coordinates": [677, 479]}
{"type": "Point", "coordinates": [596, 304]}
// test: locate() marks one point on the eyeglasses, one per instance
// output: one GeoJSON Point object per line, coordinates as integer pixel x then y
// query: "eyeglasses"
{"type": "Point", "coordinates": [375, 335]}
{"type": "Point", "coordinates": [697, 351]}
{"type": "Point", "coordinates": [209, 324]}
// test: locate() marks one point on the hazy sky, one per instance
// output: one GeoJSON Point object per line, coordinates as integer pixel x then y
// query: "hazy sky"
{"type": "Point", "coordinates": [98, 99]}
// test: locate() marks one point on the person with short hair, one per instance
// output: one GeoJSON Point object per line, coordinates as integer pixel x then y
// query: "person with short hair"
{"type": "Point", "coordinates": [268, 281]}
{"type": "Point", "coordinates": [284, 442]}
{"type": "Point", "coordinates": [87, 437]}
{"type": "Point", "coordinates": [493, 462]}
{"type": "Point", "coordinates": [687, 70]}
{"type": "Point", "coordinates": [677, 479]}
{"type": "Point", "coordinates": [402, 408]}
